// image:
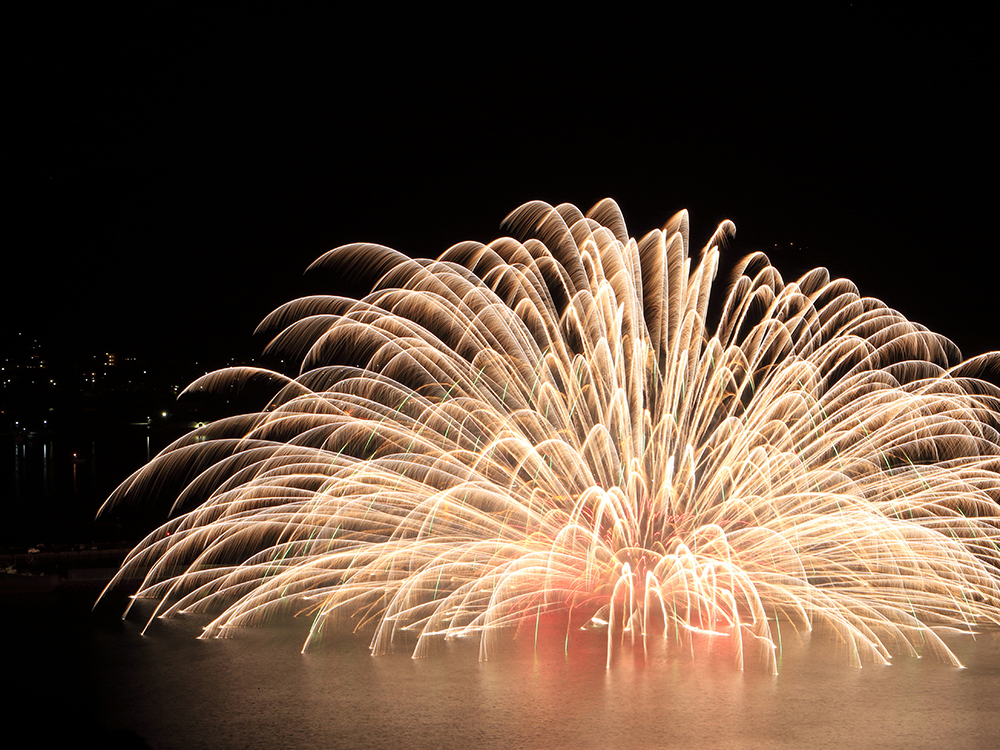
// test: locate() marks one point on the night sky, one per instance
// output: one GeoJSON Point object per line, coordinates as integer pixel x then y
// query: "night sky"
{"type": "Point", "coordinates": [166, 179]}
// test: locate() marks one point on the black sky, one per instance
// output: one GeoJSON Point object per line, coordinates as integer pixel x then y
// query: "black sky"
{"type": "Point", "coordinates": [166, 179]}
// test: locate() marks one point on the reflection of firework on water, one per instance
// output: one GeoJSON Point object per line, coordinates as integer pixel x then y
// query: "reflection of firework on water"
{"type": "Point", "coordinates": [548, 426]}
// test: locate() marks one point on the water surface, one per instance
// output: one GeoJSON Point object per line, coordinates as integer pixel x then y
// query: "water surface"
{"type": "Point", "coordinates": [96, 675]}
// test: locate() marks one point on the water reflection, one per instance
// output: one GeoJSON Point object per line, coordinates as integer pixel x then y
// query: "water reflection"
{"type": "Point", "coordinates": [257, 691]}
{"type": "Point", "coordinates": [96, 673]}
{"type": "Point", "coordinates": [51, 485]}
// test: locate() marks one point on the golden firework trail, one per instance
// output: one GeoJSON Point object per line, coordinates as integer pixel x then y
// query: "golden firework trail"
{"type": "Point", "coordinates": [550, 425]}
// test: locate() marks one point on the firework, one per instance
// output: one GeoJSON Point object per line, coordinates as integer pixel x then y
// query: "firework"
{"type": "Point", "coordinates": [550, 426]}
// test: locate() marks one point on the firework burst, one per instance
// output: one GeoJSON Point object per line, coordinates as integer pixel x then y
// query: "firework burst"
{"type": "Point", "coordinates": [550, 425]}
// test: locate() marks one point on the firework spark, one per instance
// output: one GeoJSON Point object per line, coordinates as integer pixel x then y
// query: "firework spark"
{"type": "Point", "coordinates": [551, 426]}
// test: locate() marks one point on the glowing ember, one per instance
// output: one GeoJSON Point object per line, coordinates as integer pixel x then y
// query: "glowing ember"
{"type": "Point", "coordinates": [526, 428]}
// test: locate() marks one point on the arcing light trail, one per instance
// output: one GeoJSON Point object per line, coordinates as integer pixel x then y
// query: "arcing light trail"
{"type": "Point", "coordinates": [549, 426]}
